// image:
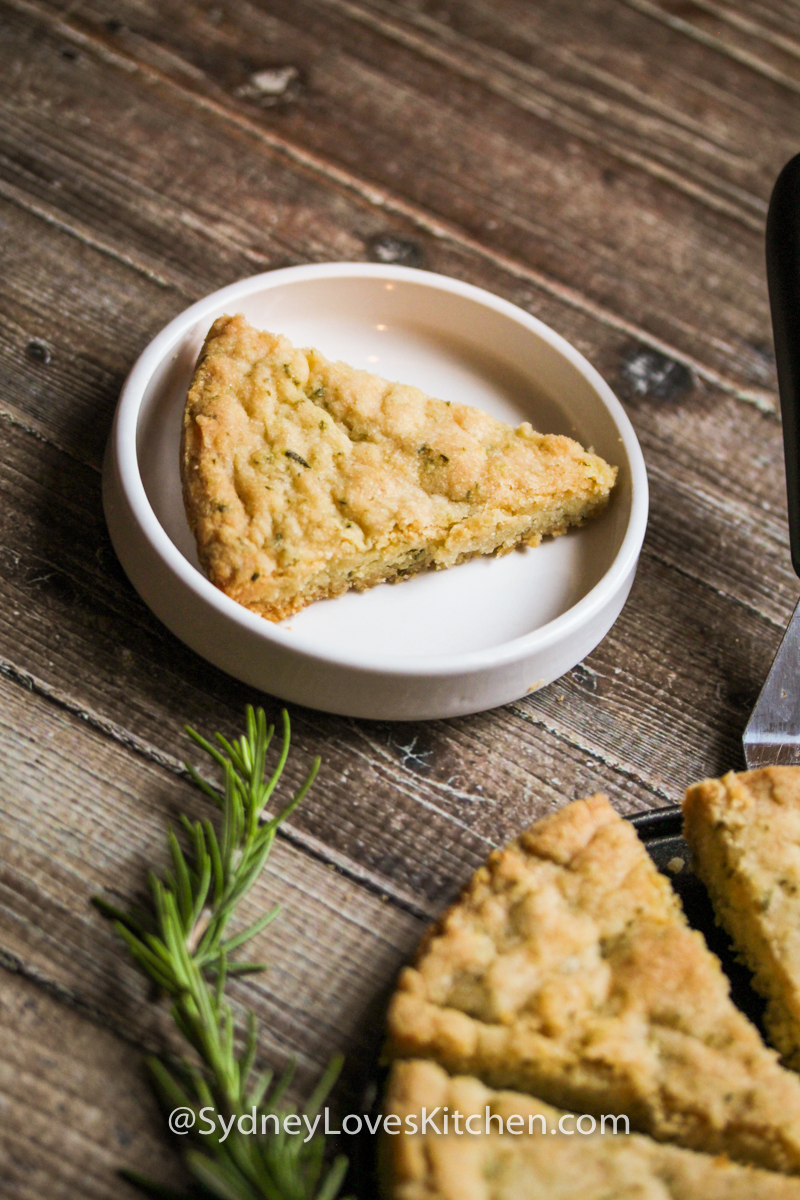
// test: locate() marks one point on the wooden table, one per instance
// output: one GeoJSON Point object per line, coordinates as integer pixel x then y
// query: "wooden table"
{"type": "Point", "coordinates": [605, 164]}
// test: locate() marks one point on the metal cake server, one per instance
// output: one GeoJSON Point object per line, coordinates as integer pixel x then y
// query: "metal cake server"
{"type": "Point", "coordinates": [773, 732]}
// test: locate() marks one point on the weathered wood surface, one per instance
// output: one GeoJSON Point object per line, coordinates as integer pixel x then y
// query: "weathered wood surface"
{"type": "Point", "coordinates": [74, 1101]}
{"type": "Point", "coordinates": [606, 165]}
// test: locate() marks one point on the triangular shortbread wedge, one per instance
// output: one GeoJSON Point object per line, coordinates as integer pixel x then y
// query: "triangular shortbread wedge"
{"type": "Point", "coordinates": [567, 970]}
{"type": "Point", "coordinates": [744, 833]}
{"type": "Point", "coordinates": [532, 1159]}
{"type": "Point", "coordinates": [304, 478]}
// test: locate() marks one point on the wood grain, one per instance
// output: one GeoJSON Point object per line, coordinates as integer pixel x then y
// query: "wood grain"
{"type": "Point", "coordinates": [90, 818]}
{"type": "Point", "coordinates": [70, 569]}
{"type": "Point", "coordinates": [674, 645]}
{"type": "Point", "coordinates": [552, 171]}
{"type": "Point", "coordinates": [605, 164]}
{"type": "Point", "coordinates": [76, 1106]}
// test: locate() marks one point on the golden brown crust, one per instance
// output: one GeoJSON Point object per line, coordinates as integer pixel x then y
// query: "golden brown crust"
{"type": "Point", "coordinates": [744, 833]}
{"type": "Point", "coordinates": [567, 970]}
{"type": "Point", "coordinates": [304, 478]}
{"type": "Point", "coordinates": [531, 1165]}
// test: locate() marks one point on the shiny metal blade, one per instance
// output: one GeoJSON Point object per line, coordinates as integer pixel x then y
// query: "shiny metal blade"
{"type": "Point", "coordinates": [772, 735]}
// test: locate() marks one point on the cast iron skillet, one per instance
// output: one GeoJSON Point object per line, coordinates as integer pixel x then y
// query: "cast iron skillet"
{"type": "Point", "coordinates": [661, 833]}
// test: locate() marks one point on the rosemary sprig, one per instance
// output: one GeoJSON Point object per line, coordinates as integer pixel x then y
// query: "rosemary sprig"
{"type": "Point", "coordinates": [182, 943]}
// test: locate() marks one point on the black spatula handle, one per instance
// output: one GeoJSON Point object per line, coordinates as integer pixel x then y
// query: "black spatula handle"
{"type": "Point", "coordinates": [783, 276]}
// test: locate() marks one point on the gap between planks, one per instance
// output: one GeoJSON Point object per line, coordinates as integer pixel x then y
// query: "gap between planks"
{"type": "Point", "coordinates": [307, 843]}
{"type": "Point", "coordinates": [750, 26]}
{"type": "Point", "coordinates": [648, 9]}
{"type": "Point", "coordinates": [379, 197]}
{"type": "Point", "coordinates": [72, 999]}
{"type": "Point", "coordinates": [378, 885]}
{"type": "Point", "coordinates": [11, 415]}
{"type": "Point", "coordinates": [80, 232]}
{"type": "Point", "coordinates": [500, 73]}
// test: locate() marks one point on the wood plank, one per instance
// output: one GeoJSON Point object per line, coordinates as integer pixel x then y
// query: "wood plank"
{"type": "Point", "coordinates": [665, 416]}
{"type": "Point", "coordinates": [558, 201]}
{"type": "Point", "coordinates": [98, 827]}
{"type": "Point", "coordinates": [724, 458]}
{"type": "Point", "coordinates": [779, 15]}
{"type": "Point", "coordinates": [680, 431]}
{"type": "Point", "coordinates": [82, 815]}
{"type": "Point", "coordinates": [67, 605]}
{"type": "Point", "coordinates": [738, 442]}
{"type": "Point", "coordinates": [417, 807]}
{"type": "Point", "coordinates": [166, 229]}
{"type": "Point", "coordinates": [669, 421]}
{"type": "Point", "coordinates": [108, 203]}
{"type": "Point", "coordinates": [547, 60]}
{"type": "Point", "coordinates": [730, 30]}
{"type": "Point", "coordinates": [76, 1106]}
{"type": "Point", "coordinates": [89, 348]}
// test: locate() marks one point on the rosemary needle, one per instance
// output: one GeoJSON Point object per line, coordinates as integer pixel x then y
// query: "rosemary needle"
{"type": "Point", "coordinates": [183, 945]}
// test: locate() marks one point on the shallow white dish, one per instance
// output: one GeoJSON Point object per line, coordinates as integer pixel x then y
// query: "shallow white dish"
{"type": "Point", "coordinates": [441, 644]}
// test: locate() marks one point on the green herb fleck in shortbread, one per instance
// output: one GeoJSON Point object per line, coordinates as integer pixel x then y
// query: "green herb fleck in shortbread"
{"type": "Point", "coordinates": [428, 482]}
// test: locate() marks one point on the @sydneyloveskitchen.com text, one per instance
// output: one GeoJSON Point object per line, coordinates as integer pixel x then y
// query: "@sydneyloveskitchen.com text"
{"type": "Point", "coordinates": [208, 1121]}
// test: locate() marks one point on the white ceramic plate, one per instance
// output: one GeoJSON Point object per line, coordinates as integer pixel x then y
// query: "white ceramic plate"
{"type": "Point", "coordinates": [440, 644]}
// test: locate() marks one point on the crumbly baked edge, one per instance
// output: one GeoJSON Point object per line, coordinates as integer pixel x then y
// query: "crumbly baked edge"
{"type": "Point", "coordinates": [409, 1170]}
{"type": "Point", "coordinates": [412, 561]}
{"type": "Point", "coordinates": [385, 564]}
{"type": "Point", "coordinates": [737, 908]}
{"type": "Point", "coordinates": [771, 1142]}
{"type": "Point", "coordinates": [408, 560]}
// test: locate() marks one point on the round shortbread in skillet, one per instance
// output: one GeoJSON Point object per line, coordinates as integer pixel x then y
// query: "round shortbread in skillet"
{"type": "Point", "coordinates": [567, 970]}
